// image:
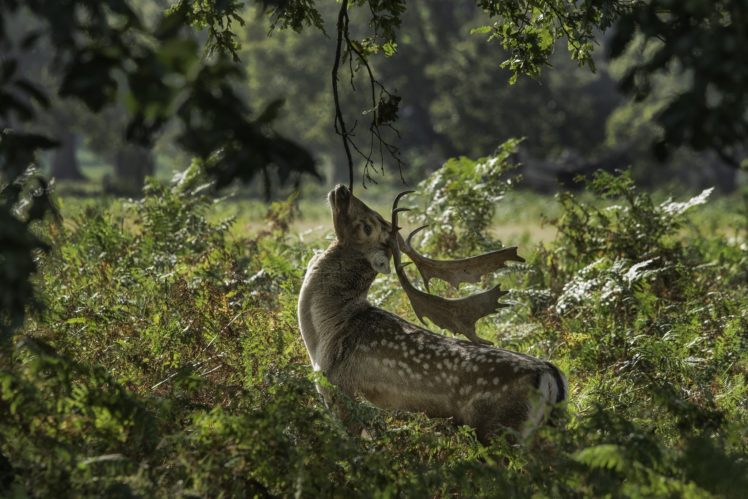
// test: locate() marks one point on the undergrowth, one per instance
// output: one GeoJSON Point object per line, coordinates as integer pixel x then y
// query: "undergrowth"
{"type": "Point", "coordinates": [167, 361]}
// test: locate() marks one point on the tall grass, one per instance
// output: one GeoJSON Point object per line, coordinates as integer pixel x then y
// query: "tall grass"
{"type": "Point", "coordinates": [167, 361]}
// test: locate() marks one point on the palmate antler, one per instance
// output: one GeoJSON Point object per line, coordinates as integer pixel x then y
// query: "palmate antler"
{"type": "Point", "coordinates": [457, 315]}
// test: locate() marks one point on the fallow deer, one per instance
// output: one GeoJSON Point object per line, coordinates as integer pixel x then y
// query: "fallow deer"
{"type": "Point", "coordinates": [368, 352]}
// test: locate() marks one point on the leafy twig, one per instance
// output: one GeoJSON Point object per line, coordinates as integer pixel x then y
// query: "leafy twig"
{"type": "Point", "coordinates": [383, 110]}
{"type": "Point", "coordinates": [340, 127]}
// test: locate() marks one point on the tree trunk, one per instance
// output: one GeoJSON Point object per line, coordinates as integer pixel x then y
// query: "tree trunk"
{"type": "Point", "coordinates": [132, 165]}
{"type": "Point", "coordinates": [65, 161]}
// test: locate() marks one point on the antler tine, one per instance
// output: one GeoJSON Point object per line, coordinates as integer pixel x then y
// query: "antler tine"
{"type": "Point", "coordinates": [414, 232]}
{"type": "Point", "coordinates": [469, 269]}
{"type": "Point", "coordinates": [396, 210]}
{"type": "Point", "coordinates": [395, 226]}
{"type": "Point", "coordinates": [399, 196]}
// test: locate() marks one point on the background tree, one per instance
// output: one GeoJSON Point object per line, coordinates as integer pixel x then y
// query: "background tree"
{"type": "Point", "coordinates": [702, 43]}
{"type": "Point", "coordinates": [455, 100]}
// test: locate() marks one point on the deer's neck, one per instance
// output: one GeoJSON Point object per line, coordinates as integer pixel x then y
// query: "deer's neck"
{"type": "Point", "coordinates": [334, 290]}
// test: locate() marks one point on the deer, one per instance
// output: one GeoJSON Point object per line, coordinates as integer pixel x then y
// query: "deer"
{"type": "Point", "coordinates": [367, 352]}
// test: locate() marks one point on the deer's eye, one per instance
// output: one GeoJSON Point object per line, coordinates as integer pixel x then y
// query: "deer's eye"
{"type": "Point", "coordinates": [367, 229]}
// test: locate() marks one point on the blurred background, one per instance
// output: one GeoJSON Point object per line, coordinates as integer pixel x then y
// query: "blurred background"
{"type": "Point", "coordinates": [455, 101]}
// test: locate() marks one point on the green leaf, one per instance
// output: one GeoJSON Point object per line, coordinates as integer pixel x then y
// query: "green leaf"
{"type": "Point", "coordinates": [481, 30]}
{"type": "Point", "coordinates": [389, 48]}
{"type": "Point", "coordinates": [77, 320]}
{"type": "Point", "coordinates": [607, 456]}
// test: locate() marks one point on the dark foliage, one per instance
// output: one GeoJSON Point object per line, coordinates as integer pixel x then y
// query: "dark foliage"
{"type": "Point", "coordinates": [103, 49]}
{"type": "Point", "coordinates": [705, 42]}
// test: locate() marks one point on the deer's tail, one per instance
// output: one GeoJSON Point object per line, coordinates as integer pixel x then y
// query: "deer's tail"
{"type": "Point", "coordinates": [553, 385]}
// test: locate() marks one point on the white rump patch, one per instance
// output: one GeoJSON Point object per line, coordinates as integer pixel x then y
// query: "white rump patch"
{"type": "Point", "coordinates": [539, 405]}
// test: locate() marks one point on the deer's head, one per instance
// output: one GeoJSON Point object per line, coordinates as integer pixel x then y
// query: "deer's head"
{"type": "Point", "coordinates": [359, 227]}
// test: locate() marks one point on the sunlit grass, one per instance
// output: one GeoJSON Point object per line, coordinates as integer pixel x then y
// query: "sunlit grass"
{"type": "Point", "coordinates": [522, 217]}
{"type": "Point", "coordinates": [177, 367]}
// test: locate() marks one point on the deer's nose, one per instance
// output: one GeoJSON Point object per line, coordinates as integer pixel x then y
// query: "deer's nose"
{"type": "Point", "coordinates": [340, 197]}
{"type": "Point", "coordinates": [342, 193]}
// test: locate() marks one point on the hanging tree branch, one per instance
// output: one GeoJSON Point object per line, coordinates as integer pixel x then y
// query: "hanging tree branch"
{"type": "Point", "coordinates": [383, 110]}
{"type": "Point", "coordinates": [340, 127]}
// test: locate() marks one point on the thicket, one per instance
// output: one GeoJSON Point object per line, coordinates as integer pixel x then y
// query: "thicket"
{"type": "Point", "coordinates": [167, 360]}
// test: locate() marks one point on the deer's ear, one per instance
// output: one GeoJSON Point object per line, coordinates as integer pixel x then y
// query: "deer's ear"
{"type": "Point", "coordinates": [379, 261]}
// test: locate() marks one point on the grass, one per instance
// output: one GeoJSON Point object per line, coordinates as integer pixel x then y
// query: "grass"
{"type": "Point", "coordinates": [521, 217]}
{"type": "Point", "coordinates": [166, 361]}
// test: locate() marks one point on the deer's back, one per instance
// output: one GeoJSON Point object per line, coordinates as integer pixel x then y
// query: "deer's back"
{"type": "Point", "coordinates": [398, 365]}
